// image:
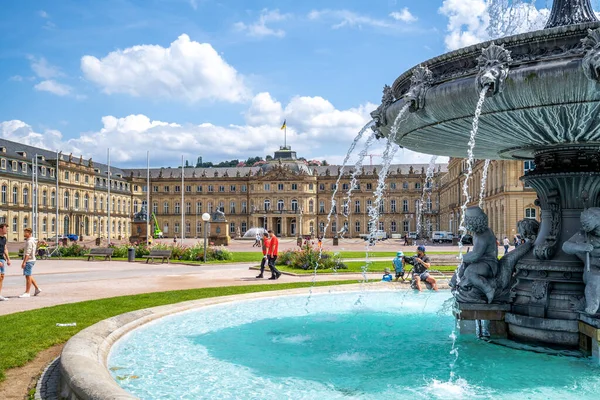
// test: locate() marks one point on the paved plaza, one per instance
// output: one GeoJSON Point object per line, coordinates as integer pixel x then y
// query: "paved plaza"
{"type": "Point", "coordinates": [69, 281]}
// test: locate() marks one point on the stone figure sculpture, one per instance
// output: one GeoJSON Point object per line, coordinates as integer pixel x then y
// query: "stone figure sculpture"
{"type": "Point", "coordinates": [473, 282]}
{"type": "Point", "coordinates": [585, 244]}
{"type": "Point", "coordinates": [493, 69]}
{"type": "Point", "coordinates": [481, 278]}
{"type": "Point", "coordinates": [142, 215]}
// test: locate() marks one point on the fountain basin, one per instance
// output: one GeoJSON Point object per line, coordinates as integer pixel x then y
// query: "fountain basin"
{"type": "Point", "coordinates": [376, 344]}
{"type": "Point", "coordinates": [547, 101]}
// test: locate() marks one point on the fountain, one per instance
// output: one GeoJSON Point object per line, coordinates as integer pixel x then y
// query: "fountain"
{"type": "Point", "coordinates": [542, 101]}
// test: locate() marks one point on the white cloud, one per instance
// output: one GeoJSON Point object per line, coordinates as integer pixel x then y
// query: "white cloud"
{"type": "Point", "coordinates": [403, 15]}
{"type": "Point", "coordinates": [260, 28]}
{"type": "Point", "coordinates": [472, 21]}
{"type": "Point", "coordinates": [345, 18]}
{"type": "Point", "coordinates": [16, 78]}
{"type": "Point", "coordinates": [43, 14]}
{"type": "Point", "coordinates": [43, 69]}
{"type": "Point", "coordinates": [316, 129]}
{"type": "Point", "coordinates": [52, 86]}
{"type": "Point", "coordinates": [186, 70]}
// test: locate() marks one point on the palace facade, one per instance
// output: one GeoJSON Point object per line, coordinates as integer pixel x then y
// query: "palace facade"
{"type": "Point", "coordinates": [284, 194]}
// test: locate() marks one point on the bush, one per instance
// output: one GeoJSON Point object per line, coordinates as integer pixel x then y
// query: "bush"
{"type": "Point", "coordinates": [308, 258]}
{"type": "Point", "coordinates": [74, 250]}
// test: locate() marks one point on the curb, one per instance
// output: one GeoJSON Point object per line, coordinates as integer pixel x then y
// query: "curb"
{"type": "Point", "coordinates": [47, 386]}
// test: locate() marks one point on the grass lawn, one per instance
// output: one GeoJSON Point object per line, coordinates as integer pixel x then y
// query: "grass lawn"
{"type": "Point", "coordinates": [391, 254]}
{"type": "Point", "coordinates": [27, 333]}
{"type": "Point", "coordinates": [355, 266]}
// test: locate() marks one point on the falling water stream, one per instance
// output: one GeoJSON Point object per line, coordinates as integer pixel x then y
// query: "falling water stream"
{"type": "Point", "coordinates": [484, 175]}
{"type": "Point", "coordinates": [426, 190]}
{"type": "Point", "coordinates": [463, 208]}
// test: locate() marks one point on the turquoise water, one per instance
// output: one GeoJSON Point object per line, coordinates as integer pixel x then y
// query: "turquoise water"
{"type": "Point", "coordinates": [378, 345]}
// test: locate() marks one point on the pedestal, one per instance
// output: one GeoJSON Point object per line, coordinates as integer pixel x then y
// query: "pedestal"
{"type": "Point", "coordinates": [589, 336]}
{"type": "Point", "coordinates": [489, 316]}
{"type": "Point", "coordinates": [217, 233]}
{"type": "Point", "coordinates": [549, 281]}
{"type": "Point", "coordinates": [138, 230]}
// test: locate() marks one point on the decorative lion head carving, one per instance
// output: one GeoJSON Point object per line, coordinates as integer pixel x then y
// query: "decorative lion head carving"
{"type": "Point", "coordinates": [378, 115]}
{"type": "Point", "coordinates": [493, 69]}
{"type": "Point", "coordinates": [419, 84]}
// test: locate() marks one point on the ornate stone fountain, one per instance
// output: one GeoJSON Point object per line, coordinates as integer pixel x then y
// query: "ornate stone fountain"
{"type": "Point", "coordinates": [543, 103]}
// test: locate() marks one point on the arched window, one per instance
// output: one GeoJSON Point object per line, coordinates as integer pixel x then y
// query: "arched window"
{"type": "Point", "coordinates": [135, 206]}
{"type": "Point", "coordinates": [53, 226]}
{"type": "Point", "coordinates": [66, 201]}
{"type": "Point", "coordinates": [25, 196]}
{"type": "Point", "coordinates": [44, 198]}
{"type": "Point", "coordinates": [166, 207]}
{"type": "Point", "coordinates": [44, 224]}
{"type": "Point", "coordinates": [25, 222]}
{"type": "Point", "coordinates": [119, 205]}
{"type": "Point", "coordinates": [530, 213]}
{"type": "Point", "coordinates": [155, 207]}
{"type": "Point", "coordinates": [280, 205]}
{"type": "Point", "coordinates": [76, 197]}
{"type": "Point", "coordinates": [15, 223]}
{"type": "Point", "coordinates": [4, 194]}
{"type": "Point", "coordinates": [267, 205]}
{"type": "Point", "coordinates": [86, 202]}
{"type": "Point", "coordinates": [101, 203]}
{"type": "Point", "coordinates": [53, 198]}
{"type": "Point", "coordinates": [311, 206]}
{"type": "Point", "coordinates": [15, 195]}
{"type": "Point", "coordinates": [221, 206]}
{"type": "Point", "coordinates": [198, 207]}
{"type": "Point", "coordinates": [294, 205]}
{"type": "Point", "coordinates": [393, 226]}
{"type": "Point", "coordinates": [209, 207]}
{"type": "Point", "coordinates": [177, 208]}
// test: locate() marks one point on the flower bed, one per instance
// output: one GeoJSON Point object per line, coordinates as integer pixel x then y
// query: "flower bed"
{"type": "Point", "coordinates": [307, 257]}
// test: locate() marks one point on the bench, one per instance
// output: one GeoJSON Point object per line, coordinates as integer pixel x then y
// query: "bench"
{"type": "Point", "coordinates": [162, 254]}
{"type": "Point", "coordinates": [100, 252]}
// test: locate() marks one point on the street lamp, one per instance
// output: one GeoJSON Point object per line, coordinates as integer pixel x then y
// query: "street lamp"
{"type": "Point", "coordinates": [205, 218]}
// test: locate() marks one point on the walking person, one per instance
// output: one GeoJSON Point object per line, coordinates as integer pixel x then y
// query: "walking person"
{"type": "Point", "coordinates": [29, 262]}
{"type": "Point", "coordinates": [406, 239]}
{"type": "Point", "coordinates": [273, 250]}
{"type": "Point", "coordinates": [4, 258]}
{"type": "Point", "coordinates": [257, 239]}
{"type": "Point", "coordinates": [506, 244]}
{"type": "Point", "coordinates": [265, 250]}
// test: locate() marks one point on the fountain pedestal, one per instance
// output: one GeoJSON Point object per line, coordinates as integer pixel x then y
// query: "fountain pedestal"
{"type": "Point", "coordinates": [549, 282]}
{"type": "Point", "coordinates": [467, 315]}
{"type": "Point", "coordinates": [589, 336]}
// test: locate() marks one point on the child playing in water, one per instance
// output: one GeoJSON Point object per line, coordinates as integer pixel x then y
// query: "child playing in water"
{"type": "Point", "coordinates": [387, 277]}
{"type": "Point", "coordinates": [398, 267]}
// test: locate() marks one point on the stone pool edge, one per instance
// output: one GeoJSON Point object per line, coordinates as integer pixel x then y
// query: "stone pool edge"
{"type": "Point", "coordinates": [84, 372]}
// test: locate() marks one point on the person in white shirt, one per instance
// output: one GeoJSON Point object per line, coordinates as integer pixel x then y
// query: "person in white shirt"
{"type": "Point", "coordinates": [506, 244]}
{"type": "Point", "coordinates": [28, 263]}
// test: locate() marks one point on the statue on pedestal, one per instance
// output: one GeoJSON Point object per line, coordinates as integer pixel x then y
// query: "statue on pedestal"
{"type": "Point", "coordinates": [473, 281]}
{"type": "Point", "coordinates": [482, 278]}
{"type": "Point", "coordinates": [585, 244]}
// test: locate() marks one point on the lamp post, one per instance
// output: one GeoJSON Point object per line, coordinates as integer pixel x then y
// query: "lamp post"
{"type": "Point", "coordinates": [205, 218]}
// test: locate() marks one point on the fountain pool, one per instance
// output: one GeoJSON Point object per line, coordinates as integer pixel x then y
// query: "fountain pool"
{"type": "Point", "coordinates": [391, 344]}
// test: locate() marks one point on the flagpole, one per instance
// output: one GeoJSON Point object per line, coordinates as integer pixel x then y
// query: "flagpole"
{"type": "Point", "coordinates": [285, 137]}
{"type": "Point", "coordinates": [182, 200]}
{"type": "Point", "coordinates": [109, 205]}
{"type": "Point", "coordinates": [147, 197]}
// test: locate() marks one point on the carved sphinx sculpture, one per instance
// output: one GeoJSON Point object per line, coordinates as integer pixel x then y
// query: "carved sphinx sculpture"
{"type": "Point", "coordinates": [419, 84]}
{"type": "Point", "coordinates": [481, 278]}
{"type": "Point", "coordinates": [585, 244]}
{"type": "Point", "coordinates": [591, 61]}
{"type": "Point", "coordinates": [493, 69]}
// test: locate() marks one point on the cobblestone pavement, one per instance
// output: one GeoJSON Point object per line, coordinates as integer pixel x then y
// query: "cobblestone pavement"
{"type": "Point", "coordinates": [47, 386]}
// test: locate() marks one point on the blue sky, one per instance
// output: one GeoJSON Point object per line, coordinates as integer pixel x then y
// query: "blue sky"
{"type": "Point", "coordinates": [212, 78]}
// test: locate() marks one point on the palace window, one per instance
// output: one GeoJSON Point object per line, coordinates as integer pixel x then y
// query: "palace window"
{"type": "Point", "coordinates": [244, 227]}
{"type": "Point", "coordinates": [311, 206]}
{"type": "Point", "coordinates": [321, 206]}
{"type": "Point", "coordinates": [188, 188]}
{"type": "Point", "coordinates": [188, 208]}
{"type": "Point", "coordinates": [177, 208]}
{"type": "Point", "coordinates": [232, 188]}
{"type": "Point", "coordinates": [232, 227]}
{"type": "Point", "coordinates": [177, 188]}
{"type": "Point", "coordinates": [418, 185]}
{"type": "Point", "coordinates": [357, 226]}
{"type": "Point", "coordinates": [267, 204]}
{"type": "Point", "coordinates": [244, 188]}
{"type": "Point", "coordinates": [357, 206]}
{"type": "Point", "coordinates": [25, 196]}
{"type": "Point", "coordinates": [294, 205]}
{"type": "Point", "coordinates": [393, 226]}
{"type": "Point", "coordinates": [4, 195]}
{"type": "Point", "coordinates": [244, 207]}
{"type": "Point", "coordinates": [155, 208]}
{"type": "Point", "coordinates": [393, 206]}
{"type": "Point", "coordinates": [406, 226]}
{"type": "Point", "coordinates": [198, 207]}
{"type": "Point", "coordinates": [267, 187]}
{"type": "Point", "coordinates": [166, 207]}
{"type": "Point", "coordinates": [345, 186]}
{"type": "Point", "coordinates": [393, 185]}
{"type": "Point", "coordinates": [15, 195]}
{"type": "Point", "coordinates": [280, 205]}
{"type": "Point", "coordinates": [211, 188]}
{"type": "Point", "coordinates": [232, 207]}
{"type": "Point", "coordinates": [404, 205]}
{"type": "Point", "coordinates": [294, 186]}
{"type": "Point", "coordinates": [221, 188]}
{"type": "Point", "coordinates": [530, 213]}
